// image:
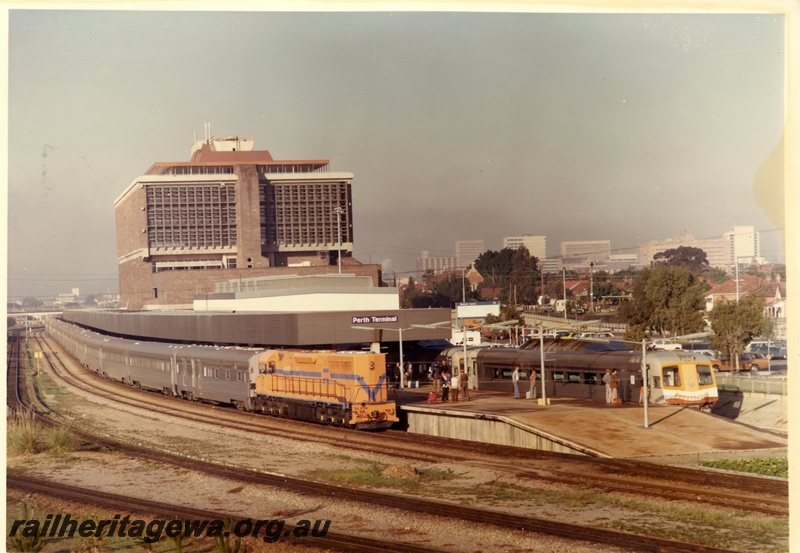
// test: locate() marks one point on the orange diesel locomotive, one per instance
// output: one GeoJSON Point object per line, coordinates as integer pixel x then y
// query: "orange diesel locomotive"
{"type": "Point", "coordinates": [346, 388]}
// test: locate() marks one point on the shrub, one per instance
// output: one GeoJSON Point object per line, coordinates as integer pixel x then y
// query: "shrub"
{"type": "Point", "coordinates": [25, 435]}
{"type": "Point", "coordinates": [61, 440]}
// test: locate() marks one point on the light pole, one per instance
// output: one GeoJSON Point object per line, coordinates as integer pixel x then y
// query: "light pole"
{"type": "Point", "coordinates": [541, 366]}
{"type": "Point", "coordinates": [645, 382]}
{"type": "Point", "coordinates": [564, 270]}
{"type": "Point", "coordinates": [399, 337]}
{"type": "Point", "coordinates": [338, 211]}
{"type": "Point", "coordinates": [591, 286]}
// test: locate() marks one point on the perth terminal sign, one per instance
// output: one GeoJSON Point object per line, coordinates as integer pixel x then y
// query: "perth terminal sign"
{"type": "Point", "coordinates": [374, 319]}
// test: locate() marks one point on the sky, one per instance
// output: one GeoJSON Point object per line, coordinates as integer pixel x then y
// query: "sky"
{"type": "Point", "coordinates": [456, 124]}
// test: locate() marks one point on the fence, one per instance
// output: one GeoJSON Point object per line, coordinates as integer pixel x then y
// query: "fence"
{"type": "Point", "coordinates": [749, 383]}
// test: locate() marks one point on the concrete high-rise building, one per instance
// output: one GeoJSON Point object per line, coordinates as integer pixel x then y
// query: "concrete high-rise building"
{"type": "Point", "coordinates": [436, 264]}
{"type": "Point", "coordinates": [717, 250]}
{"type": "Point", "coordinates": [583, 253]}
{"type": "Point", "coordinates": [745, 245]}
{"type": "Point", "coordinates": [230, 212]}
{"type": "Point", "coordinates": [536, 245]}
{"type": "Point", "coordinates": [467, 251]}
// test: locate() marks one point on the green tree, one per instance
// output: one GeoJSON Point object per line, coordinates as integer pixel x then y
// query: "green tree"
{"type": "Point", "coordinates": [32, 302]}
{"type": "Point", "coordinates": [495, 268]}
{"type": "Point", "coordinates": [428, 280]}
{"type": "Point", "coordinates": [734, 324]}
{"type": "Point", "coordinates": [716, 276]}
{"type": "Point", "coordinates": [409, 293]}
{"type": "Point", "coordinates": [607, 292]}
{"type": "Point", "coordinates": [778, 271]}
{"type": "Point", "coordinates": [450, 290]}
{"type": "Point", "coordinates": [521, 284]}
{"type": "Point", "coordinates": [694, 258]}
{"type": "Point", "coordinates": [665, 299]}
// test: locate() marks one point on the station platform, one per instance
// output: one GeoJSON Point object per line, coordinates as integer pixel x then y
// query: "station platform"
{"type": "Point", "coordinates": [588, 427]}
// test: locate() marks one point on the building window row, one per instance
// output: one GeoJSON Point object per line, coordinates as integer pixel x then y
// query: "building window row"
{"type": "Point", "coordinates": [292, 168]}
{"type": "Point", "coordinates": [197, 170]}
{"type": "Point", "coordinates": [191, 216]}
{"type": "Point", "coordinates": [303, 214]}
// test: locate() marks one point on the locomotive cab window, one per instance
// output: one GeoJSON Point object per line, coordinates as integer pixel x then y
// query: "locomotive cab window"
{"type": "Point", "coordinates": [672, 376]}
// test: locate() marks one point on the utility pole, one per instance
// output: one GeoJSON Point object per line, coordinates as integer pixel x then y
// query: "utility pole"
{"type": "Point", "coordinates": [338, 211]}
{"type": "Point", "coordinates": [591, 286]}
{"type": "Point", "coordinates": [564, 270]}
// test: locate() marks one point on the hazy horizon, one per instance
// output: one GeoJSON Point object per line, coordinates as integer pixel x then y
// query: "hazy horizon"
{"type": "Point", "coordinates": [623, 127]}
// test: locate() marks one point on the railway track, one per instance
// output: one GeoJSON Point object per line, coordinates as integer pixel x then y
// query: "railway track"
{"type": "Point", "coordinates": [331, 541]}
{"type": "Point", "coordinates": [414, 504]}
{"type": "Point", "coordinates": [752, 494]}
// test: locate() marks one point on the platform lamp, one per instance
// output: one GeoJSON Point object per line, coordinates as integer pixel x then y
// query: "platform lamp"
{"type": "Point", "coordinates": [400, 338]}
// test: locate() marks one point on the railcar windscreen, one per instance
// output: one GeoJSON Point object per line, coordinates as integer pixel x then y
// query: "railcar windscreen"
{"type": "Point", "coordinates": [704, 375]}
{"type": "Point", "coordinates": [672, 376]}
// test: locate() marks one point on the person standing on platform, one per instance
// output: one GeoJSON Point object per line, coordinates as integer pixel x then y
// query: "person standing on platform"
{"type": "Point", "coordinates": [641, 390]}
{"type": "Point", "coordinates": [463, 381]}
{"type": "Point", "coordinates": [607, 382]}
{"type": "Point", "coordinates": [454, 389]}
{"type": "Point", "coordinates": [533, 384]}
{"type": "Point", "coordinates": [515, 381]}
{"type": "Point", "coordinates": [445, 386]}
{"type": "Point", "coordinates": [614, 385]}
{"type": "Point", "coordinates": [436, 376]}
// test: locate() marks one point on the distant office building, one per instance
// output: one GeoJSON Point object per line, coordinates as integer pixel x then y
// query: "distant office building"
{"type": "Point", "coordinates": [581, 254]}
{"type": "Point", "coordinates": [552, 265]}
{"type": "Point", "coordinates": [719, 251]}
{"type": "Point", "coordinates": [536, 245]}
{"type": "Point", "coordinates": [745, 245]}
{"type": "Point", "coordinates": [230, 212]}
{"type": "Point", "coordinates": [467, 251]}
{"type": "Point", "coordinates": [436, 264]}
{"type": "Point", "coordinates": [619, 262]}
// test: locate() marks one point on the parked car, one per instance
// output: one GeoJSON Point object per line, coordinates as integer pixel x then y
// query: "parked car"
{"type": "Point", "coordinates": [747, 361]}
{"type": "Point", "coordinates": [596, 335]}
{"type": "Point", "coordinates": [711, 356]}
{"type": "Point", "coordinates": [663, 344]}
{"type": "Point", "coordinates": [772, 351]}
{"type": "Point", "coordinates": [759, 344]}
{"type": "Point", "coordinates": [559, 334]}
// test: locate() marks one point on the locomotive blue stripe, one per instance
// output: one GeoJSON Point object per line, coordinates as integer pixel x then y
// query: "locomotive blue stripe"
{"type": "Point", "coordinates": [372, 394]}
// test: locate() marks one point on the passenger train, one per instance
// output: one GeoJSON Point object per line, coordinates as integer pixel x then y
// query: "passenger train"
{"type": "Point", "coordinates": [343, 388]}
{"type": "Point", "coordinates": [575, 368]}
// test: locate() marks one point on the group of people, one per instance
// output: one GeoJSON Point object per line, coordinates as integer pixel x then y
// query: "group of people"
{"type": "Point", "coordinates": [450, 385]}
{"type": "Point", "coordinates": [612, 382]}
{"type": "Point", "coordinates": [515, 381]}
